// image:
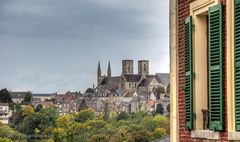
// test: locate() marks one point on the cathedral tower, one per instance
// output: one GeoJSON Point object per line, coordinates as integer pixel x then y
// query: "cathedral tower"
{"type": "Point", "coordinates": [99, 73]}
{"type": "Point", "coordinates": [127, 67]}
{"type": "Point", "coordinates": [143, 67]}
{"type": "Point", "coordinates": [109, 69]}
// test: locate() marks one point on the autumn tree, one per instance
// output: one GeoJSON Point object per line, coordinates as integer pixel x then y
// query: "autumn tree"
{"type": "Point", "coordinates": [85, 115]}
{"type": "Point", "coordinates": [27, 111]}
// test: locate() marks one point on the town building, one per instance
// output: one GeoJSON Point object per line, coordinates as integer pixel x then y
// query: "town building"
{"type": "Point", "coordinates": [18, 97]}
{"type": "Point", "coordinates": [5, 113]}
{"type": "Point", "coordinates": [205, 70]}
{"type": "Point", "coordinates": [44, 97]}
{"type": "Point", "coordinates": [67, 103]}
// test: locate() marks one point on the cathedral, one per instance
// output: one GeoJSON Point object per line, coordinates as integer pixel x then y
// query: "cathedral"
{"type": "Point", "coordinates": [128, 80]}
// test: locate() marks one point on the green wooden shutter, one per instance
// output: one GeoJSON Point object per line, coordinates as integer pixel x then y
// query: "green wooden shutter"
{"type": "Point", "coordinates": [215, 68]}
{"type": "Point", "coordinates": [188, 81]}
{"type": "Point", "coordinates": [237, 61]}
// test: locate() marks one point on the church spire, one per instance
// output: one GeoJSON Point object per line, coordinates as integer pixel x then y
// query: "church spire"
{"type": "Point", "coordinates": [109, 69]}
{"type": "Point", "coordinates": [99, 72]}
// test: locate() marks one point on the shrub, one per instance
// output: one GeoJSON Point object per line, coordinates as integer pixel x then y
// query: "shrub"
{"type": "Point", "coordinates": [159, 133]}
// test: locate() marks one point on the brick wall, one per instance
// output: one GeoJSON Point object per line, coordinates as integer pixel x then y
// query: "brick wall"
{"type": "Point", "coordinates": [183, 12]}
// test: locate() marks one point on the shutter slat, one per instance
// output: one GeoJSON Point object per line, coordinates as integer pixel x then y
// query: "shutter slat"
{"type": "Point", "coordinates": [236, 62]}
{"type": "Point", "coordinates": [188, 82]}
{"type": "Point", "coordinates": [215, 68]}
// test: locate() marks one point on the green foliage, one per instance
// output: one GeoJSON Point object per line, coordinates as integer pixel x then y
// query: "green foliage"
{"type": "Point", "coordinates": [159, 109]}
{"type": "Point", "coordinates": [5, 140]}
{"type": "Point", "coordinates": [149, 124]}
{"type": "Point", "coordinates": [85, 126]}
{"type": "Point", "coordinates": [5, 96]}
{"type": "Point", "coordinates": [159, 133]}
{"type": "Point", "coordinates": [59, 135]}
{"type": "Point", "coordinates": [64, 121]}
{"type": "Point", "coordinates": [162, 122]}
{"type": "Point", "coordinates": [28, 97]}
{"type": "Point", "coordinates": [28, 125]}
{"type": "Point", "coordinates": [98, 138]}
{"type": "Point", "coordinates": [27, 111]}
{"type": "Point", "coordinates": [141, 136]}
{"type": "Point", "coordinates": [7, 133]}
{"type": "Point", "coordinates": [122, 116]}
{"type": "Point", "coordinates": [85, 115]}
{"type": "Point", "coordinates": [46, 118]}
{"type": "Point", "coordinates": [106, 112]}
{"type": "Point", "coordinates": [17, 107]}
{"type": "Point", "coordinates": [16, 119]}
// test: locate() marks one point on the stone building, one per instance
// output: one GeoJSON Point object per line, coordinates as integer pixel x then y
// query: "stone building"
{"type": "Point", "coordinates": [18, 97]}
{"type": "Point", "coordinates": [142, 81]}
{"type": "Point", "coordinates": [205, 70]}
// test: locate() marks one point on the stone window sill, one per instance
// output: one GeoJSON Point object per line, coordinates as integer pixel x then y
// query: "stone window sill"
{"type": "Point", "coordinates": [233, 136]}
{"type": "Point", "coordinates": [205, 134]}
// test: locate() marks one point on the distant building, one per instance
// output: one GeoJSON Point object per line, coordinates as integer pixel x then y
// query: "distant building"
{"type": "Point", "coordinates": [18, 97]}
{"type": "Point", "coordinates": [43, 97]}
{"type": "Point", "coordinates": [129, 81]}
{"type": "Point", "coordinates": [66, 103]}
{"type": "Point", "coordinates": [5, 113]}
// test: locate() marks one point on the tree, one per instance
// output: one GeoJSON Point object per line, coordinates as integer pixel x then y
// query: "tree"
{"type": "Point", "coordinates": [16, 119]}
{"type": "Point", "coordinates": [27, 111]}
{"type": "Point", "coordinates": [46, 118]}
{"type": "Point", "coordinates": [85, 115]}
{"type": "Point", "coordinates": [28, 97]}
{"type": "Point", "coordinates": [89, 90]}
{"type": "Point", "coordinates": [106, 111]}
{"type": "Point", "coordinates": [38, 108]}
{"type": "Point", "coordinates": [5, 96]}
{"type": "Point", "coordinates": [17, 107]}
{"type": "Point", "coordinates": [159, 91]}
{"type": "Point", "coordinates": [28, 125]}
{"type": "Point", "coordinates": [64, 121]}
{"type": "Point", "coordinates": [82, 105]}
{"type": "Point", "coordinates": [123, 116]}
{"type": "Point", "coordinates": [159, 109]}
{"type": "Point", "coordinates": [59, 135]}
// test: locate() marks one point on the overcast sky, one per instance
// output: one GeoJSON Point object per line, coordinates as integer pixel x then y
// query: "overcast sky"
{"type": "Point", "coordinates": [54, 45]}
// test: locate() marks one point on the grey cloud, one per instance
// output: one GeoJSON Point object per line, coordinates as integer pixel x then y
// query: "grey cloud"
{"type": "Point", "coordinates": [53, 45]}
